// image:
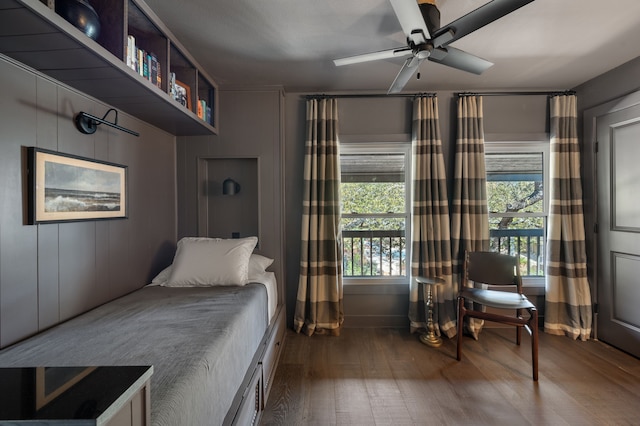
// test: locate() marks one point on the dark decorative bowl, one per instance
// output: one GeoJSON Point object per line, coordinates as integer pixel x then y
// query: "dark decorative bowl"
{"type": "Point", "coordinates": [81, 14]}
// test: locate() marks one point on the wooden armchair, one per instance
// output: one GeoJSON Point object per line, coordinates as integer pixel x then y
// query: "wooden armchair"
{"type": "Point", "coordinates": [496, 270]}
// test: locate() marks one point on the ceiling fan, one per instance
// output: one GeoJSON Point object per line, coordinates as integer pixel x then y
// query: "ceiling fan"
{"type": "Point", "coordinates": [420, 21]}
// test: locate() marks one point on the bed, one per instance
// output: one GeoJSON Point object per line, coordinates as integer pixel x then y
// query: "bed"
{"type": "Point", "coordinates": [203, 340]}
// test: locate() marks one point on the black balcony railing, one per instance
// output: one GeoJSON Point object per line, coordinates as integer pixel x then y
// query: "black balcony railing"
{"type": "Point", "coordinates": [383, 253]}
{"type": "Point", "coordinates": [525, 244]}
{"type": "Point", "coordinates": [374, 253]}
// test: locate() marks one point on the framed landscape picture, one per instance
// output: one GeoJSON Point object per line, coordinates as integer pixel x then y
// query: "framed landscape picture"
{"type": "Point", "coordinates": [65, 187]}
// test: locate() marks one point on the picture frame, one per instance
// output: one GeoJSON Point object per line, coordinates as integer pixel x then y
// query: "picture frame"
{"type": "Point", "coordinates": [65, 187]}
{"type": "Point", "coordinates": [183, 92]}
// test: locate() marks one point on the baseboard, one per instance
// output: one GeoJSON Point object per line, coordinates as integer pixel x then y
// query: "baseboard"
{"type": "Point", "coordinates": [376, 321]}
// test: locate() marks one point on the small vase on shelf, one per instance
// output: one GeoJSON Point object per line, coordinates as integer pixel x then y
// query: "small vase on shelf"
{"type": "Point", "coordinates": [81, 14]}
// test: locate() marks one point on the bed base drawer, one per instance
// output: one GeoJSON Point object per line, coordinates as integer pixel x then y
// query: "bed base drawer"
{"type": "Point", "coordinates": [251, 406]}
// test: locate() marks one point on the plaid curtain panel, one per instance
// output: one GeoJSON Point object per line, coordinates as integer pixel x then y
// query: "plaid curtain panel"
{"type": "Point", "coordinates": [470, 213]}
{"type": "Point", "coordinates": [568, 297]}
{"type": "Point", "coordinates": [431, 242]}
{"type": "Point", "coordinates": [319, 306]}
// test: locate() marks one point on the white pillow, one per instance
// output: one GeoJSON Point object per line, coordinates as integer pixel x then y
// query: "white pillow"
{"type": "Point", "coordinates": [162, 277]}
{"type": "Point", "coordinates": [203, 262]}
{"type": "Point", "coordinates": [258, 264]}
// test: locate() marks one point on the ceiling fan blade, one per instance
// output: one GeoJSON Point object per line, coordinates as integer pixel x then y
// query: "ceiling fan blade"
{"type": "Point", "coordinates": [408, 69]}
{"type": "Point", "coordinates": [476, 19]}
{"type": "Point", "coordinates": [411, 20]}
{"type": "Point", "coordinates": [459, 59]}
{"type": "Point", "coordinates": [373, 56]}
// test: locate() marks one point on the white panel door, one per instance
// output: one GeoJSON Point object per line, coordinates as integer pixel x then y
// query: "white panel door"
{"type": "Point", "coordinates": [618, 189]}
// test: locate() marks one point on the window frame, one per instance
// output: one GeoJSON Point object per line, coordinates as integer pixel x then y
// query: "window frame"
{"type": "Point", "coordinates": [405, 148]}
{"type": "Point", "coordinates": [532, 147]}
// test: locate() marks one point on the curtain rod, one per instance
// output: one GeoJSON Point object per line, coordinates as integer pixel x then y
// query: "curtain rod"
{"type": "Point", "coordinates": [414, 95]}
{"type": "Point", "coordinates": [372, 95]}
{"type": "Point", "coordinates": [556, 93]}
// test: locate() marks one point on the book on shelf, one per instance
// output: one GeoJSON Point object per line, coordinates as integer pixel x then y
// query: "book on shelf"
{"type": "Point", "coordinates": [200, 109]}
{"type": "Point", "coordinates": [140, 61]}
{"type": "Point", "coordinates": [131, 48]}
{"type": "Point", "coordinates": [145, 64]}
{"type": "Point", "coordinates": [172, 86]}
{"type": "Point", "coordinates": [158, 78]}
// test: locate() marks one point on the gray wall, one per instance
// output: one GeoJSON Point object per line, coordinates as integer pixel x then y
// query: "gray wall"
{"type": "Point", "coordinates": [52, 272]}
{"type": "Point", "coordinates": [506, 118]}
{"type": "Point", "coordinates": [250, 135]}
{"type": "Point", "coordinates": [611, 85]}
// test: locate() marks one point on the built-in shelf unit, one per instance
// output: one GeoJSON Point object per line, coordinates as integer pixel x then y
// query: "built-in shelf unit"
{"type": "Point", "coordinates": [33, 34]}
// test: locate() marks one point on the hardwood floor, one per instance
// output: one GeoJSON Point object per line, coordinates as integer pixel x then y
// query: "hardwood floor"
{"type": "Point", "coordinates": [387, 377]}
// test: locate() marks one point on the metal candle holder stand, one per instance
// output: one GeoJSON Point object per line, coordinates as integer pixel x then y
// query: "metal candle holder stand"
{"type": "Point", "coordinates": [430, 338]}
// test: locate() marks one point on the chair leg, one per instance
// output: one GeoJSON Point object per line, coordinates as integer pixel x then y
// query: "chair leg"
{"type": "Point", "coordinates": [534, 343]}
{"type": "Point", "coordinates": [519, 329]}
{"type": "Point", "coordinates": [460, 326]}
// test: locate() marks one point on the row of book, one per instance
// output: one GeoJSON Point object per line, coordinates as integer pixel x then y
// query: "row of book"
{"type": "Point", "coordinates": [143, 62]}
{"type": "Point", "coordinates": [203, 110]}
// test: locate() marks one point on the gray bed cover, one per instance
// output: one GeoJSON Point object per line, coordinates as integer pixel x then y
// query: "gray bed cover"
{"type": "Point", "coordinates": [200, 341]}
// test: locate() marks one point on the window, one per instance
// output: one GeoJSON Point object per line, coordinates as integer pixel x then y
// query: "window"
{"type": "Point", "coordinates": [375, 212]}
{"type": "Point", "coordinates": [517, 194]}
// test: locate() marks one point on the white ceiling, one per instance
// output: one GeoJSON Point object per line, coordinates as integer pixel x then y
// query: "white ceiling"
{"type": "Point", "coordinates": [545, 45]}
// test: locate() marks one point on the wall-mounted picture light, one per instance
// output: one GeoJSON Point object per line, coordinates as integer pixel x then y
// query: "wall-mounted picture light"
{"type": "Point", "coordinates": [88, 124]}
{"type": "Point", "coordinates": [230, 187]}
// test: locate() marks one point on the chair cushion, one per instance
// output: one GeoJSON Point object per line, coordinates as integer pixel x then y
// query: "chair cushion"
{"type": "Point", "coordinates": [497, 299]}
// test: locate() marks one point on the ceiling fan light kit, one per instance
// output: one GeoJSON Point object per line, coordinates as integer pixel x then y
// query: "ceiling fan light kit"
{"type": "Point", "coordinates": [420, 22]}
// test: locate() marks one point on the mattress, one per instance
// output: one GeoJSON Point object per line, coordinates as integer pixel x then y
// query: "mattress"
{"type": "Point", "coordinates": [201, 342]}
{"type": "Point", "coordinates": [268, 279]}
